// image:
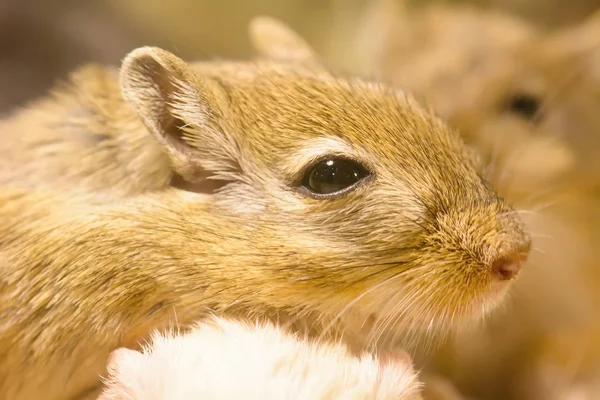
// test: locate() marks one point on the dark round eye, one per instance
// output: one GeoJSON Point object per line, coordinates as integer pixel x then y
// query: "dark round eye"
{"type": "Point", "coordinates": [333, 176]}
{"type": "Point", "coordinates": [525, 105]}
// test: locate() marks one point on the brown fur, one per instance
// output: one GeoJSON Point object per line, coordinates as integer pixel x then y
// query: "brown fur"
{"type": "Point", "coordinates": [102, 244]}
{"type": "Point", "coordinates": [469, 64]}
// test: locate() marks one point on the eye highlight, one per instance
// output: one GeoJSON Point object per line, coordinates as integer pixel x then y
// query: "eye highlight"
{"type": "Point", "coordinates": [333, 176]}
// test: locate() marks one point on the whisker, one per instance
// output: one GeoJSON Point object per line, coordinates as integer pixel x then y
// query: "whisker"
{"type": "Point", "coordinates": [403, 307]}
{"type": "Point", "coordinates": [493, 163]}
{"type": "Point", "coordinates": [542, 236]}
{"type": "Point", "coordinates": [364, 278]}
{"type": "Point", "coordinates": [373, 265]}
{"type": "Point", "coordinates": [387, 320]}
{"type": "Point", "coordinates": [400, 274]}
{"type": "Point", "coordinates": [350, 304]}
{"type": "Point", "coordinates": [504, 172]}
{"type": "Point", "coordinates": [545, 206]}
{"type": "Point", "coordinates": [526, 212]}
{"type": "Point", "coordinates": [443, 321]}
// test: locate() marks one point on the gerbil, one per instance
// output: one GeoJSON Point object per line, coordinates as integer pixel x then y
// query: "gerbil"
{"type": "Point", "coordinates": [228, 359]}
{"type": "Point", "coordinates": [340, 203]}
{"type": "Point", "coordinates": [524, 97]}
{"type": "Point", "coordinates": [527, 100]}
{"type": "Point", "coordinates": [85, 137]}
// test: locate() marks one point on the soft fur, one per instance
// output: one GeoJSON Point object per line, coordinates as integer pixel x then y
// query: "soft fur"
{"type": "Point", "coordinates": [471, 65]}
{"type": "Point", "coordinates": [226, 359]}
{"type": "Point", "coordinates": [167, 190]}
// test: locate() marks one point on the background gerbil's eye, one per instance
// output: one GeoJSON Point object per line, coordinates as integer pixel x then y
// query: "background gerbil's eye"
{"type": "Point", "coordinates": [333, 176]}
{"type": "Point", "coordinates": [525, 105]}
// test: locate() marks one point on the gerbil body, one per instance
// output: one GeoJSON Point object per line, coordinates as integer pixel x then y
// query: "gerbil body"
{"type": "Point", "coordinates": [266, 189]}
{"type": "Point", "coordinates": [82, 137]}
{"type": "Point", "coordinates": [226, 359]}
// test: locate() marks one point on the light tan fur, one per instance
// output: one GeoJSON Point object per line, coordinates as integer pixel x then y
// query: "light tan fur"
{"type": "Point", "coordinates": [135, 200]}
{"type": "Point", "coordinates": [228, 359]}
{"type": "Point", "coordinates": [470, 64]}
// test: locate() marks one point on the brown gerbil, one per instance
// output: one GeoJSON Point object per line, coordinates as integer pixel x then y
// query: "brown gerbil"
{"type": "Point", "coordinates": [527, 99]}
{"type": "Point", "coordinates": [340, 202]}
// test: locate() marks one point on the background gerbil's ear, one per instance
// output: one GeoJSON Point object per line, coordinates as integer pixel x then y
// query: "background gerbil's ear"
{"type": "Point", "coordinates": [186, 112]}
{"type": "Point", "coordinates": [590, 36]}
{"type": "Point", "coordinates": [273, 39]}
{"type": "Point", "coordinates": [384, 22]}
{"type": "Point", "coordinates": [590, 27]}
{"type": "Point", "coordinates": [583, 37]}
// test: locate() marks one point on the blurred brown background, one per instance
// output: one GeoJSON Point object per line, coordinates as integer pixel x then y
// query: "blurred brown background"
{"type": "Point", "coordinates": [41, 40]}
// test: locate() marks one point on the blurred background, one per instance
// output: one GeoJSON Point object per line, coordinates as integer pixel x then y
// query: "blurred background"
{"type": "Point", "coordinates": [41, 40]}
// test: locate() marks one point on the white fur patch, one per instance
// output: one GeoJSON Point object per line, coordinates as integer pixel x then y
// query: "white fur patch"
{"type": "Point", "coordinates": [224, 359]}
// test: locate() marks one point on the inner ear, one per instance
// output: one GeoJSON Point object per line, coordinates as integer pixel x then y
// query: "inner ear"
{"type": "Point", "coordinates": [382, 26]}
{"type": "Point", "coordinates": [185, 113]}
{"type": "Point", "coordinates": [152, 81]}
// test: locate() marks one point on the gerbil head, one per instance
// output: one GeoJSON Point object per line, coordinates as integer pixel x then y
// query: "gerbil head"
{"type": "Point", "coordinates": [409, 44]}
{"type": "Point", "coordinates": [334, 195]}
{"type": "Point", "coordinates": [525, 98]}
{"type": "Point", "coordinates": [273, 40]}
{"type": "Point", "coordinates": [536, 114]}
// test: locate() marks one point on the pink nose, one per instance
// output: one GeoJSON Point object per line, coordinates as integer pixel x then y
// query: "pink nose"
{"type": "Point", "coordinates": [506, 268]}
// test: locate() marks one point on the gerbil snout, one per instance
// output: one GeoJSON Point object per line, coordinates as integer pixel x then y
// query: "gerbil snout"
{"type": "Point", "coordinates": [506, 268]}
{"type": "Point", "coordinates": [478, 250]}
{"type": "Point", "coordinates": [487, 238]}
{"type": "Point", "coordinates": [509, 246]}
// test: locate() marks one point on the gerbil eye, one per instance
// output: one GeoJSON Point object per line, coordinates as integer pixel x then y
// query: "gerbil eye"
{"type": "Point", "coordinates": [526, 105]}
{"type": "Point", "coordinates": [333, 176]}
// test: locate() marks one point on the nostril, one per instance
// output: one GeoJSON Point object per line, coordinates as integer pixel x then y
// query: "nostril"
{"type": "Point", "coordinates": [506, 268]}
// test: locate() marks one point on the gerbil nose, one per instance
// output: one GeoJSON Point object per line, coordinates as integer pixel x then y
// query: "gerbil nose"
{"type": "Point", "coordinates": [507, 267]}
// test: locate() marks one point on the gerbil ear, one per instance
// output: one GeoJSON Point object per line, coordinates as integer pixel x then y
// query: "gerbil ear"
{"type": "Point", "coordinates": [186, 112]}
{"type": "Point", "coordinates": [580, 38]}
{"type": "Point", "coordinates": [382, 25]}
{"type": "Point", "coordinates": [273, 39]}
{"type": "Point", "coordinates": [590, 36]}
{"type": "Point", "coordinates": [591, 25]}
